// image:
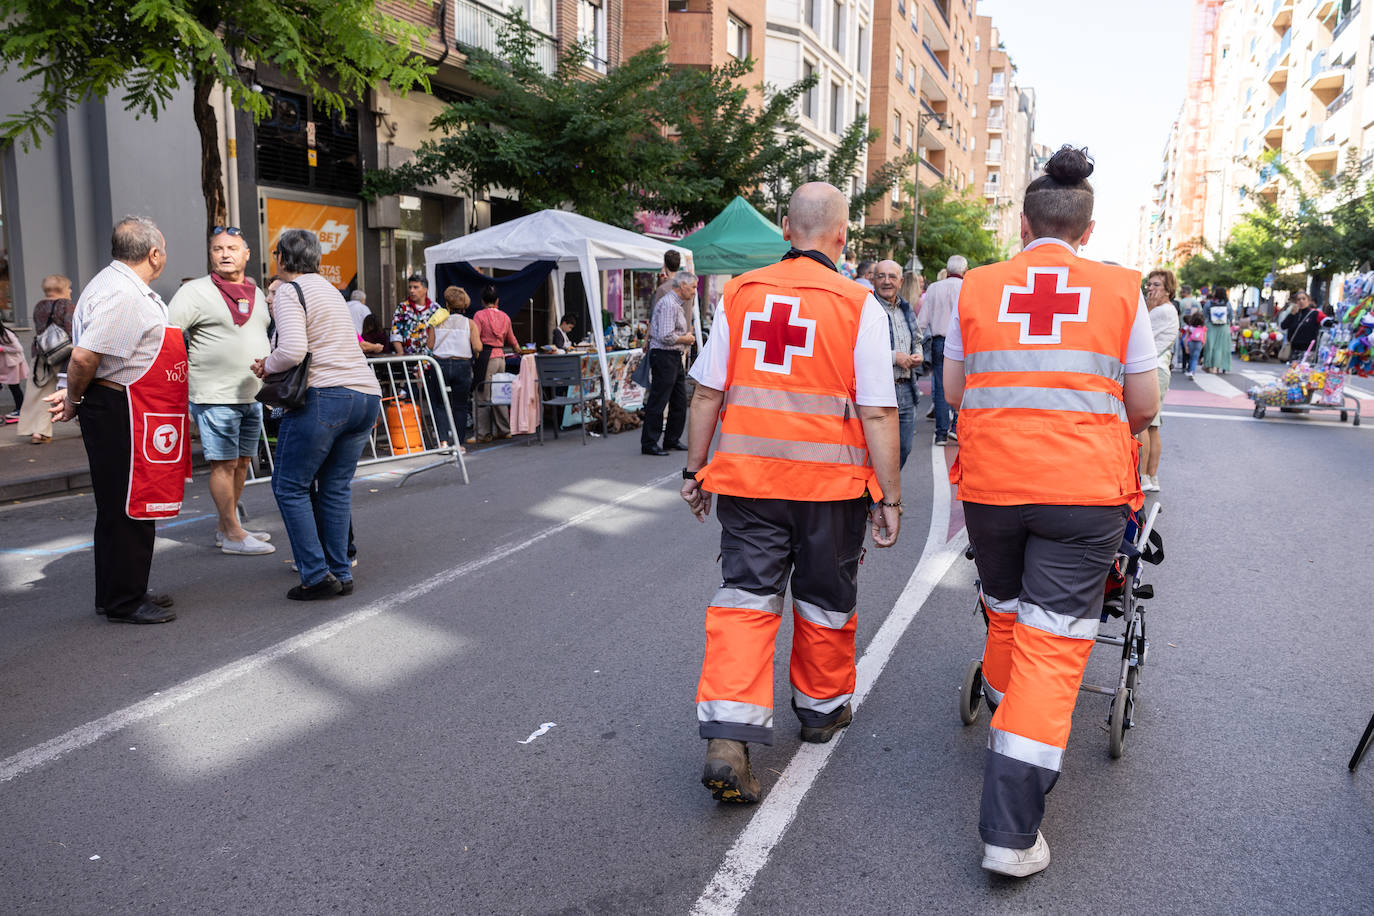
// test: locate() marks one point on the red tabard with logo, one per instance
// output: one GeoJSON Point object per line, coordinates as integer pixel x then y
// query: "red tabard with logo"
{"type": "Point", "coordinates": [160, 456]}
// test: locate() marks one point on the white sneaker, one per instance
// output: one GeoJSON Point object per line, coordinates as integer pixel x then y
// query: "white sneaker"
{"type": "Point", "coordinates": [1018, 863]}
{"type": "Point", "coordinates": [260, 535]}
{"type": "Point", "coordinates": [248, 547]}
{"type": "Point", "coordinates": [1149, 484]}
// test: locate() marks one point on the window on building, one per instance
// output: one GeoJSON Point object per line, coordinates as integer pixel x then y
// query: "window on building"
{"type": "Point", "coordinates": [539, 13]}
{"type": "Point", "coordinates": [736, 38]}
{"type": "Point", "coordinates": [810, 9]}
{"type": "Point", "coordinates": [283, 148]}
{"type": "Point", "coordinates": [977, 42]}
{"type": "Point", "coordinates": [836, 108]}
{"type": "Point", "coordinates": [910, 137]}
{"type": "Point", "coordinates": [808, 99]}
{"type": "Point", "coordinates": [862, 49]}
{"type": "Point", "coordinates": [837, 25]}
{"type": "Point", "coordinates": [900, 67]}
{"type": "Point", "coordinates": [897, 126]}
{"type": "Point", "coordinates": [591, 31]}
{"type": "Point", "coordinates": [975, 110]}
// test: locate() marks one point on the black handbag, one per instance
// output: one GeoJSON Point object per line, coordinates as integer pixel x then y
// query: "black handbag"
{"type": "Point", "coordinates": [287, 389]}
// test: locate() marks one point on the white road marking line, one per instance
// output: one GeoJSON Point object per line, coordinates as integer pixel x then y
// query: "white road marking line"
{"type": "Point", "coordinates": [543, 729]}
{"type": "Point", "coordinates": [1359, 393]}
{"type": "Point", "coordinates": [161, 702]}
{"type": "Point", "coordinates": [1215, 384]}
{"type": "Point", "coordinates": [1255, 375]}
{"type": "Point", "coordinates": [750, 851]}
{"type": "Point", "coordinates": [1247, 418]}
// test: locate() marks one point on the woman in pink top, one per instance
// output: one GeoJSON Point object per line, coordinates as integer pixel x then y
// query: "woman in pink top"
{"type": "Point", "coordinates": [495, 329]}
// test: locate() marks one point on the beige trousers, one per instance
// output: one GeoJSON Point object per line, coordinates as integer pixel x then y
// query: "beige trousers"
{"type": "Point", "coordinates": [34, 417]}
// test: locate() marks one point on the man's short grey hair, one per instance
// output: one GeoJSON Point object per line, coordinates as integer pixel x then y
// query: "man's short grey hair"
{"type": "Point", "coordinates": [298, 251]}
{"type": "Point", "coordinates": [684, 276]}
{"type": "Point", "coordinates": [134, 237]}
{"type": "Point", "coordinates": [358, 296]}
{"type": "Point", "coordinates": [957, 264]}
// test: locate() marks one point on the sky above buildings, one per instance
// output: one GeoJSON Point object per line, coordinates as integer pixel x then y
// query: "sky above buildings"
{"type": "Point", "coordinates": [1108, 75]}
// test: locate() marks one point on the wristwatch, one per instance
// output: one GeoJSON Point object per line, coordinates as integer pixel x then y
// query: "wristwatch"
{"type": "Point", "coordinates": [689, 475]}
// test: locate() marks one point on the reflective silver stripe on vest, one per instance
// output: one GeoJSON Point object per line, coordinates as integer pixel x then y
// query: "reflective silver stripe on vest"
{"type": "Point", "coordinates": [1026, 750]}
{"type": "Point", "coordinates": [734, 711]}
{"type": "Point", "coordinates": [814, 613]}
{"type": "Point", "coordinates": [1028, 398]}
{"type": "Point", "coordinates": [761, 447]}
{"type": "Point", "coordinates": [1033, 615]}
{"type": "Point", "coordinates": [829, 704]}
{"type": "Point", "coordinates": [992, 693]}
{"type": "Point", "coordinates": [1084, 361]}
{"type": "Point", "coordinates": [821, 405]}
{"type": "Point", "coordinates": [743, 600]}
{"type": "Point", "coordinates": [1000, 605]}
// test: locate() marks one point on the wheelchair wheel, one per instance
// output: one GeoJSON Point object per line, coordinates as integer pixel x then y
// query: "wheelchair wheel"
{"type": "Point", "coordinates": [1116, 724]}
{"type": "Point", "coordinates": [971, 693]}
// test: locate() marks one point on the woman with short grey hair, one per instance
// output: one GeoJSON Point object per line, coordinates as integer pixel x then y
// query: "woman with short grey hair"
{"type": "Point", "coordinates": [323, 439]}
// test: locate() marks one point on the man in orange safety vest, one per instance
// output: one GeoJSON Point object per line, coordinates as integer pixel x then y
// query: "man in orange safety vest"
{"type": "Point", "coordinates": [798, 369]}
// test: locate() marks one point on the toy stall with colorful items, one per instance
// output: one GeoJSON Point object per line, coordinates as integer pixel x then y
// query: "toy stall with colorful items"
{"type": "Point", "coordinates": [1310, 385]}
{"type": "Point", "coordinates": [1258, 340]}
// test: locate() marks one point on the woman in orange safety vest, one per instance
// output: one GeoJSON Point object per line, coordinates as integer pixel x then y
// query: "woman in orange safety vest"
{"type": "Point", "coordinates": [1050, 362]}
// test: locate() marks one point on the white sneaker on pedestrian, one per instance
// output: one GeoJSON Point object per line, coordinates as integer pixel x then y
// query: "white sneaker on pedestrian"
{"type": "Point", "coordinates": [1149, 484]}
{"type": "Point", "coordinates": [1017, 863]}
{"type": "Point", "coordinates": [953, 436]}
{"type": "Point", "coordinates": [248, 547]}
{"type": "Point", "coordinates": [260, 535]}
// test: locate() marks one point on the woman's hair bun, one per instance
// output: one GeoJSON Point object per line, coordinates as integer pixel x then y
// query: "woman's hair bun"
{"type": "Point", "coordinates": [1069, 166]}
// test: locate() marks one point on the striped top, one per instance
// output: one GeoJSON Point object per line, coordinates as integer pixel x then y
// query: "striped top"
{"type": "Point", "coordinates": [119, 317]}
{"type": "Point", "coordinates": [324, 329]}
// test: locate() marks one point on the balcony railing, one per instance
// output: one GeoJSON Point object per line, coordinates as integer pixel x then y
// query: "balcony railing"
{"type": "Point", "coordinates": [1350, 16]}
{"type": "Point", "coordinates": [993, 157]}
{"type": "Point", "coordinates": [997, 89]}
{"type": "Point", "coordinates": [1318, 65]}
{"type": "Point", "coordinates": [930, 52]}
{"type": "Point", "coordinates": [926, 162]}
{"type": "Point", "coordinates": [1267, 173]}
{"type": "Point", "coordinates": [992, 188]}
{"type": "Point", "coordinates": [477, 25]}
{"type": "Point", "coordinates": [996, 122]}
{"type": "Point", "coordinates": [1339, 102]}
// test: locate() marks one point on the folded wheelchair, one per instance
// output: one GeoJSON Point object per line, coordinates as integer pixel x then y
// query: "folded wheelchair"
{"type": "Point", "coordinates": [1123, 596]}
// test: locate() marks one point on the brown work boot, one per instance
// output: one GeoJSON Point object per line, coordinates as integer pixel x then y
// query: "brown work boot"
{"type": "Point", "coordinates": [823, 733]}
{"type": "Point", "coordinates": [727, 773]}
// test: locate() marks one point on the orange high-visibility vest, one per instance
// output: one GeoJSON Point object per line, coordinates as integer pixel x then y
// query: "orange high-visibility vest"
{"type": "Point", "coordinates": [790, 428]}
{"type": "Point", "coordinates": [1043, 419]}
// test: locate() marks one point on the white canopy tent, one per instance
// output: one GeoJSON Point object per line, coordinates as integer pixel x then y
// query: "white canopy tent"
{"type": "Point", "coordinates": [573, 243]}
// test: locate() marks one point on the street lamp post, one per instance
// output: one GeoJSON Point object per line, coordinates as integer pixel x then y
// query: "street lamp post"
{"type": "Point", "coordinates": [922, 119]}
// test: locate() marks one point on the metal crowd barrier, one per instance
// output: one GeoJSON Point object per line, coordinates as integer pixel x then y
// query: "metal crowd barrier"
{"type": "Point", "coordinates": [408, 425]}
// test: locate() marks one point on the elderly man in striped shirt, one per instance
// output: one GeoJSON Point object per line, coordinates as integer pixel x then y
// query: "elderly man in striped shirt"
{"type": "Point", "coordinates": [669, 338]}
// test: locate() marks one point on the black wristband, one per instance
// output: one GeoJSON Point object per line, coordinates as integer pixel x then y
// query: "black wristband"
{"type": "Point", "coordinates": [689, 475]}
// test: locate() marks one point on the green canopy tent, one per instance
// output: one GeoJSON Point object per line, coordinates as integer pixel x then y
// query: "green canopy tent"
{"type": "Point", "coordinates": [740, 238]}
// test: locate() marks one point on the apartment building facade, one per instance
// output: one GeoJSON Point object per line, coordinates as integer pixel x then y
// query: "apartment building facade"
{"type": "Point", "coordinates": [1287, 82]}
{"type": "Point", "coordinates": [1003, 114]}
{"type": "Point", "coordinates": [924, 87]}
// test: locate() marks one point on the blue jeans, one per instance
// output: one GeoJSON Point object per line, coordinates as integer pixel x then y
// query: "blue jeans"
{"type": "Point", "coordinates": [321, 441]}
{"type": "Point", "coordinates": [1194, 353]}
{"type": "Point", "coordinates": [456, 376]}
{"type": "Point", "coordinates": [937, 386]}
{"type": "Point", "coordinates": [906, 417]}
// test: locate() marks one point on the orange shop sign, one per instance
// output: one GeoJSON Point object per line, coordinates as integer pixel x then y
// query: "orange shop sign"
{"type": "Point", "coordinates": [337, 228]}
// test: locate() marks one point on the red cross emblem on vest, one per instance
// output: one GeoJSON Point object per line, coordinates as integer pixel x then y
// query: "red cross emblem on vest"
{"type": "Point", "coordinates": [777, 334]}
{"type": "Point", "coordinates": [1043, 305]}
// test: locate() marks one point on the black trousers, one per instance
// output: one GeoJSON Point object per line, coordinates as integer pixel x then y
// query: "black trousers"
{"type": "Point", "coordinates": [667, 387]}
{"type": "Point", "coordinates": [123, 546]}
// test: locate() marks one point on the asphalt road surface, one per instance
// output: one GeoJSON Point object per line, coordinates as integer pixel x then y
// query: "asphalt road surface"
{"type": "Point", "coordinates": [500, 719]}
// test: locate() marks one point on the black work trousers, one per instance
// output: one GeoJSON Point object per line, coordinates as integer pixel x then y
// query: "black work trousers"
{"type": "Point", "coordinates": [123, 546]}
{"type": "Point", "coordinates": [667, 387]}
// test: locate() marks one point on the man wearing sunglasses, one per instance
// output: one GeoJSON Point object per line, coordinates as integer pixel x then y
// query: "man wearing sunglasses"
{"type": "Point", "coordinates": [224, 317]}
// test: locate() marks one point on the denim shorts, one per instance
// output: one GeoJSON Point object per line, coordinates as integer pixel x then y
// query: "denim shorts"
{"type": "Point", "coordinates": [228, 431]}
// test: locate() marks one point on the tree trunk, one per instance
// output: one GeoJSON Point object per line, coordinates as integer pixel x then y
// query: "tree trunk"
{"type": "Point", "coordinates": [211, 165]}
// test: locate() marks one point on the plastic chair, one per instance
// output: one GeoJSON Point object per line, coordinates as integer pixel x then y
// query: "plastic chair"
{"type": "Point", "coordinates": [564, 373]}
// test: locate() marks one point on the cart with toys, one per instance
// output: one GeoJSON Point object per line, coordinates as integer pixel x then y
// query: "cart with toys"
{"type": "Point", "coordinates": [1257, 341]}
{"type": "Point", "coordinates": [1314, 382]}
